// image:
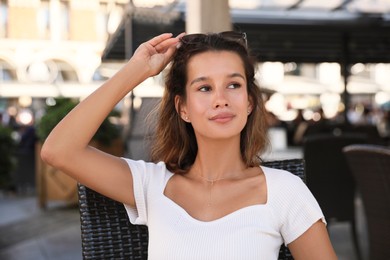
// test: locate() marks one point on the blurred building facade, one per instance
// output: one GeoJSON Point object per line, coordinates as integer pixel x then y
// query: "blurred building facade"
{"type": "Point", "coordinates": [52, 48]}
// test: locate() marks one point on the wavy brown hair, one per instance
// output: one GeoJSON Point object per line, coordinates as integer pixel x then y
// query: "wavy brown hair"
{"type": "Point", "coordinates": [174, 141]}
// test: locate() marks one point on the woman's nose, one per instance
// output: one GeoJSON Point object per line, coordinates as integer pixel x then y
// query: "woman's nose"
{"type": "Point", "coordinates": [220, 99]}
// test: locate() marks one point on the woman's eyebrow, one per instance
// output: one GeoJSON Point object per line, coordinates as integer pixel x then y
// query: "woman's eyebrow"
{"type": "Point", "coordinates": [200, 79]}
{"type": "Point", "coordinates": [233, 75]}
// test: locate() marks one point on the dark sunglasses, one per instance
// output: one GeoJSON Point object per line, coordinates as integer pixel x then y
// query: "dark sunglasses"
{"type": "Point", "coordinates": [239, 37]}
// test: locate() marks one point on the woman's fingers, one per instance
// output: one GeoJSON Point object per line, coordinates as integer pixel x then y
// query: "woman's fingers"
{"type": "Point", "coordinates": [166, 44]}
{"type": "Point", "coordinates": [173, 45]}
{"type": "Point", "coordinates": [163, 42]}
{"type": "Point", "coordinates": [158, 51]}
{"type": "Point", "coordinates": [181, 35]}
{"type": "Point", "coordinates": [158, 39]}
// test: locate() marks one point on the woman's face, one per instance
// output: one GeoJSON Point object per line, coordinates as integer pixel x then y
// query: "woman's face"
{"type": "Point", "coordinates": [217, 103]}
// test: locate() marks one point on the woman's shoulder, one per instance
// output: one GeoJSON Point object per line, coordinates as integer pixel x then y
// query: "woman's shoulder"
{"type": "Point", "coordinates": [282, 185]}
{"type": "Point", "coordinates": [144, 164]}
{"type": "Point", "coordinates": [147, 168]}
{"type": "Point", "coordinates": [280, 176]}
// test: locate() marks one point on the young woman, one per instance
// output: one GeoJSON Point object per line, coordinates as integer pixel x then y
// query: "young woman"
{"type": "Point", "coordinates": [205, 195]}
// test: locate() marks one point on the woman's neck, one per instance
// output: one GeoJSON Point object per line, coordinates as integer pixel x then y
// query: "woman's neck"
{"type": "Point", "coordinates": [218, 159]}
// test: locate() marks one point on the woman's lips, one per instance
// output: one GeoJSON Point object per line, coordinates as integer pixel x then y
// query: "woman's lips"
{"type": "Point", "coordinates": [222, 117]}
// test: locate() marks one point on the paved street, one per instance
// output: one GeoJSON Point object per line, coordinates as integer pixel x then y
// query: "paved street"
{"type": "Point", "coordinates": [29, 233]}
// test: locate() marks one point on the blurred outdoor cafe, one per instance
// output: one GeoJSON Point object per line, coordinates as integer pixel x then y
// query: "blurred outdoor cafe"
{"type": "Point", "coordinates": [324, 70]}
{"type": "Point", "coordinates": [325, 78]}
{"type": "Point", "coordinates": [316, 62]}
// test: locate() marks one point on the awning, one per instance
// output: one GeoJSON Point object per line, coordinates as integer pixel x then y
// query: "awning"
{"type": "Point", "coordinates": [288, 35]}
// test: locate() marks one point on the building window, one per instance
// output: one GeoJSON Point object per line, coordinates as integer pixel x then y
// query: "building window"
{"type": "Point", "coordinates": [3, 18]}
{"type": "Point", "coordinates": [114, 18]}
{"type": "Point", "coordinates": [41, 71]}
{"type": "Point", "coordinates": [66, 72]}
{"type": "Point", "coordinates": [7, 73]}
{"type": "Point", "coordinates": [64, 28]}
{"type": "Point", "coordinates": [101, 21]}
{"type": "Point", "coordinates": [109, 18]}
{"type": "Point", "coordinates": [50, 71]}
{"type": "Point", "coordinates": [292, 68]}
{"type": "Point", "coordinates": [43, 20]}
{"type": "Point", "coordinates": [98, 75]}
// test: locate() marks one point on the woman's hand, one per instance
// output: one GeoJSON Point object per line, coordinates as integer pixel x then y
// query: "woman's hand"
{"type": "Point", "coordinates": [156, 53]}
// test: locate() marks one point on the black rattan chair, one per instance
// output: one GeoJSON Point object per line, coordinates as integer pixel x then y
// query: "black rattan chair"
{"type": "Point", "coordinates": [106, 232]}
{"type": "Point", "coordinates": [370, 166]}
{"type": "Point", "coordinates": [330, 180]}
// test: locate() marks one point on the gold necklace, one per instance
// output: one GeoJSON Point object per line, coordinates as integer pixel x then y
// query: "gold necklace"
{"type": "Point", "coordinates": [211, 182]}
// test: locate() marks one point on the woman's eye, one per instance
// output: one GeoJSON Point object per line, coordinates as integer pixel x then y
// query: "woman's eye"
{"type": "Point", "coordinates": [234, 85]}
{"type": "Point", "coordinates": [204, 88]}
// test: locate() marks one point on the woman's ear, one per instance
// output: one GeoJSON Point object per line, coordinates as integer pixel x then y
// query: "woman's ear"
{"type": "Point", "coordinates": [177, 103]}
{"type": "Point", "coordinates": [250, 105]}
{"type": "Point", "coordinates": [180, 108]}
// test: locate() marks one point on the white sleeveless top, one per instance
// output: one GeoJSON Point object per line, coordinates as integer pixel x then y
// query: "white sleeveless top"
{"type": "Point", "coordinates": [253, 232]}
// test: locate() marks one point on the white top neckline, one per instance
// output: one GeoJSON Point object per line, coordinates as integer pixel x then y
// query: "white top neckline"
{"type": "Point", "coordinates": [229, 215]}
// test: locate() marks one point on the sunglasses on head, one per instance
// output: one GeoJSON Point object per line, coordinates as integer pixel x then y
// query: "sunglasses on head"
{"type": "Point", "coordinates": [239, 37]}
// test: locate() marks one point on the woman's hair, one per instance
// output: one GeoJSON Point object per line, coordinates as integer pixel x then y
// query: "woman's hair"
{"type": "Point", "coordinates": [174, 142]}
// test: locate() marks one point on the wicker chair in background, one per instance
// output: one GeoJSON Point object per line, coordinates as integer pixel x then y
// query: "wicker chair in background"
{"type": "Point", "coordinates": [330, 180]}
{"type": "Point", "coordinates": [106, 232]}
{"type": "Point", "coordinates": [370, 166]}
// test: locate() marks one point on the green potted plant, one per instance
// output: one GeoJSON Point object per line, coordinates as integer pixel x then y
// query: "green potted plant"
{"type": "Point", "coordinates": [52, 184]}
{"type": "Point", "coordinates": [105, 135]}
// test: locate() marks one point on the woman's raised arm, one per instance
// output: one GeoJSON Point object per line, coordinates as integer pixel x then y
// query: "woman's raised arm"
{"type": "Point", "coordinates": [67, 149]}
